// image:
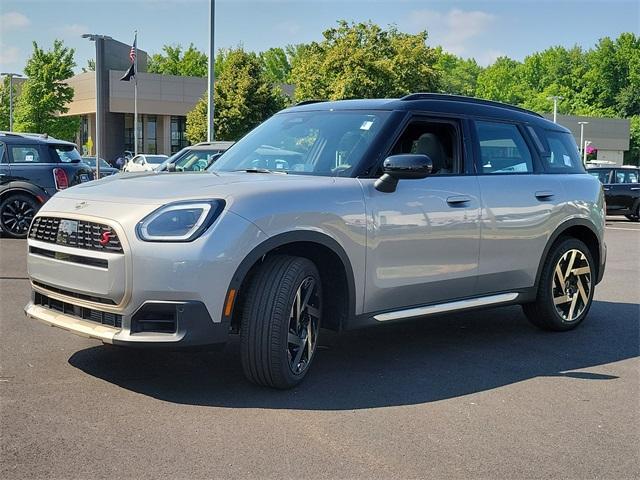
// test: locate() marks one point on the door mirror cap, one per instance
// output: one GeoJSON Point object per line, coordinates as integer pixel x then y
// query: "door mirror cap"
{"type": "Point", "coordinates": [403, 167]}
{"type": "Point", "coordinates": [171, 167]}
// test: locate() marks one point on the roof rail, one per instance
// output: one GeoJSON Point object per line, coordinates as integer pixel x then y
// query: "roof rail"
{"type": "Point", "coordinates": [309, 102]}
{"type": "Point", "coordinates": [25, 134]}
{"type": "Point", "coordinates": [461, 98]}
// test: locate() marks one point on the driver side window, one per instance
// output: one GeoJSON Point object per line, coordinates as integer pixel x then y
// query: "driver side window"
{"type": "Point", "coordinates": [438, 140]}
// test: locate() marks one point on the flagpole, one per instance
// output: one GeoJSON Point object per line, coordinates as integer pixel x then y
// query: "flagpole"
{"type": "Point", "coordinates": [135, 99]}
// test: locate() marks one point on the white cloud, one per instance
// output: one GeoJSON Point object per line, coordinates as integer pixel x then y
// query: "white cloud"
{"type": "Point", "coordinates": [73, 29]}
{"type": "Point", "coordinates": [14, 20]}
{"type": "Point", "coordinates": [488, 57]}
{"type": "Point", "coordinates": [8, 55]}
{"type": "Point", "coordinates": [454, 29]}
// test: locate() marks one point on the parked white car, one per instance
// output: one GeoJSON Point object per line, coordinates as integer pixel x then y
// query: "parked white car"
{"type": "Point", "coordinates": [144, 163]}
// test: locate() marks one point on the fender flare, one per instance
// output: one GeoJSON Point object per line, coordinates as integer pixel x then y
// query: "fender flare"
{"type": "Point", "coordinates": [563, 227]}
{"type": "Point", "coordinates": [282, 239]}
{"type": "Point", "coordinates": [24, 187]}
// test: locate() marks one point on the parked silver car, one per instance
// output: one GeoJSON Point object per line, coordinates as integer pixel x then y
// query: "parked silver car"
{"type": "Point", "coordinates": [334, 214]}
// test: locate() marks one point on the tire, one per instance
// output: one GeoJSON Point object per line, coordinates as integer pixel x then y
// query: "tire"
{"type": "Point", "coordinates": [635, 217]}
{"type": "Point", "coordinates": [570, 290]}
{"type": "Point", "coordinates": [277, 344]}
{"type": "Point", "coordinates": [16, 214]}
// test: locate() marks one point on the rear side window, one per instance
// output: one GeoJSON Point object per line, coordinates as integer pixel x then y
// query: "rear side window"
{"type": "Point", "coordinates": [560, 153]}
{"type": "Point", "coordinates": [627, 176]}
{"type": "Point", "coordinates": [2, 148]}
{"type": "Point", "coordinates": [26, 154]}
{"type": "Point", "coordinates": [603, 175]}
{"type": "Point", "coordinates": [502, 149]}
{"type": "Point", "coordinates": [64, 153]}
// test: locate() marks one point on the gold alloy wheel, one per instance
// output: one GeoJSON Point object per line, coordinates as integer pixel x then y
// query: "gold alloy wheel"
{"type": "Point", "coordinates": [571, 285]}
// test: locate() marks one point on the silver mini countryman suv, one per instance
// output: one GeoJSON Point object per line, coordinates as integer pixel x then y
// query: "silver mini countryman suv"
{"type": "Point", "coordinates": [330, 214]}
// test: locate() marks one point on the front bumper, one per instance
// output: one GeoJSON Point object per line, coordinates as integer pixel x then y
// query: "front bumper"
{"type": "Point", "coordinates": [190, 326]}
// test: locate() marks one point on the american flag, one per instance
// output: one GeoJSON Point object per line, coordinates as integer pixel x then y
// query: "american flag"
{"type": "Point", "coordinates": [131, 73]}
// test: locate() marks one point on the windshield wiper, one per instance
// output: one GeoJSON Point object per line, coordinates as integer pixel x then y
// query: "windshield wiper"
{"type": "Point", "coordinates": [260, 170]}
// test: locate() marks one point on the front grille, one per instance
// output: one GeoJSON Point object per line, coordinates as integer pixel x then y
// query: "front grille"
{"type": "Point", "coordinates": [67, 257]}
{"type": "Point", "coordinates": [87, 235]}
{"type": "Point", "coordinates": [68, 293]}
{"type": "Point", "coordinates": [104, 318]}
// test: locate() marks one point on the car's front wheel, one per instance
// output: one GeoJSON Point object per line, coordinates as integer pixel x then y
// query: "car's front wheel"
{"type": "Point", "coordinates": [16, 213]}
{"type": "Point", "coordinates": [635, 216]}
{"type": "Point", "coordinates": [566, 287]}
{"type": "Point", "coordinates": [281, 321]}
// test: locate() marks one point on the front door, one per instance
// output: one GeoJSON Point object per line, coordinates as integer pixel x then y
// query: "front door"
{"type": "Point", "coordinates": [624, 190]}
{"type": "Point", "coordinates": [423, 238]}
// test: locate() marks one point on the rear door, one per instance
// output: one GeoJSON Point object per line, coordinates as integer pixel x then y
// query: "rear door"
{"type": "Point", "coordinates": [624, 191]}
{"type": "Point", "coordinates": [32, 163]}
{"type": "Point", "coordinates": [520, 206]}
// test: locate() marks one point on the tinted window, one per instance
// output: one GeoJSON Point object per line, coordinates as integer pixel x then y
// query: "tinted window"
{"type": "Point", "coordinates": [627, 176]}
{"type": "Point", "coordinates": [64, 153]}
{"type": "Point", "coordinates": [2, 160]}
{"type": "Point", "coordinates": [603, 175]}
{"type": "Point", "coordinates": [25, 154]}
{"type": "Point", "coordinates": [561, 153]}
{"type": "Point", "coordinates": [502, 149]}
{"type": "Point", "coordinates": [438, 140]}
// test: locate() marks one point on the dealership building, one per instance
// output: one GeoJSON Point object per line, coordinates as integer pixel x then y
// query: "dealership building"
{"type": "Point", "coordinates": [163, 103]}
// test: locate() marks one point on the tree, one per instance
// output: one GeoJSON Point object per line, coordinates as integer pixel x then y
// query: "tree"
{"type": "Point", "coordinates": [632, 157]}
{"type": "Point", "coordinates": [502, 82]}
{"type": "Point", "coordinates": [45, 94]}
{"type": "Point", "coordinates": [276, 65]}
{"type": "Point", "coordinates": [4, 103]}
{"type": "Point", "coordinates": [176, 61]}
{"type": "Point", "coordinates": [457, 75]}
{"type": "Point", "coordinates": [91, 66]}
{"type": "Point", "coordinates": [364, 61]}
{"type": "Point", "coordinates": [243, 97]}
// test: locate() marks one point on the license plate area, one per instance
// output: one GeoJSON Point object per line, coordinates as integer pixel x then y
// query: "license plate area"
{"type": "Point", "coordinates": [66, 229]}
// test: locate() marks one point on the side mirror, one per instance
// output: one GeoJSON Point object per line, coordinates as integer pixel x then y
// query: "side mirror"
{"type": "Point", "coordinates": [403, 167]}
{"type": "Point", "coordinates": [171, 167]}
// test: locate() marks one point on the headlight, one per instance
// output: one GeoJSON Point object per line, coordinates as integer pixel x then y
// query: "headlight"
{"type": "Point", "coordinates": [180, 221]}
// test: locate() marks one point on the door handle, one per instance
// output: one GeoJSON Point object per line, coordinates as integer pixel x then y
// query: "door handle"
{"type": "Point", "coordinates": [606, 189]}
{"type": "Point", "coordinates": [544, 195]}
{"type": "Point", "coordinates": [458, 199]}
{"type": "Point", "coordinates": [635, 188]}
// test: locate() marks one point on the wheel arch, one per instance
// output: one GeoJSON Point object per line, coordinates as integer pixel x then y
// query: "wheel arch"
{"type": "Point", "coordinates": [325, 252]}
{"type": "Point", "coordinates": [20, 188]}
{"type": "Point", "coordinates": [580, 229]}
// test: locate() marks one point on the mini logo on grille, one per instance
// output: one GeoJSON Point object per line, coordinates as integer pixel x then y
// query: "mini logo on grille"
{"type": "Point", "coordinates": [104, 238]}
{"type": "Point", "coordinates": [82, 204]}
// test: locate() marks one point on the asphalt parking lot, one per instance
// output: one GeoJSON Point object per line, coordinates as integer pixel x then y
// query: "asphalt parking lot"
{"type": "Point", "coordinates": [478, 395]}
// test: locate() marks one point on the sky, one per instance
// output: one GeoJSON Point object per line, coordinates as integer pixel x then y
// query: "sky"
{"type": "Point", "coordinates": [483, 30]}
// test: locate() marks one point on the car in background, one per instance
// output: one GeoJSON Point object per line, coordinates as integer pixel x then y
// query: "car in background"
{"type": "Point", "coordinates": [105, 168]}
{"type": "Point", "coordinates": [195, 158]}
{"type": "Point", "coordinates": [32, 169]}
{"type": "Point", "coordinates": [621, 190]}
{"type": "Point", "coordinates": [144, 163]}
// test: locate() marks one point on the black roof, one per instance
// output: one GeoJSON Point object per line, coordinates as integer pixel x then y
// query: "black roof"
{"type": "Point", "coordinates": [435, 103]}
{"type": "Point", "coordinates": [31, 139]}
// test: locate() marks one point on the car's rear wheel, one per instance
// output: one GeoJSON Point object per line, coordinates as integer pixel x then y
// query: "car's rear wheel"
{"type": "Point", "coordinates": [635, 216]}
{"type": "Point", "coordinates": [281, 321]}
{"type": "Point", "coordinates": [16, 213]}
{"type": "Point", "coordinates": [566, 287]}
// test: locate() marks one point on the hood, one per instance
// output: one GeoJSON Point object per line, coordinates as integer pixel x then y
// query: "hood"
{"type": "Point", "coordinates": [152, 188]}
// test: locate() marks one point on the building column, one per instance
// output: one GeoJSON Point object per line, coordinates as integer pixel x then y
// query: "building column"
{"type": "Point", "coordinates": [166, 135]}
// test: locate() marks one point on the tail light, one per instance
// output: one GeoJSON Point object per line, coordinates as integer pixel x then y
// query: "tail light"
{"type": "Point", "coordinates": [61, 179]}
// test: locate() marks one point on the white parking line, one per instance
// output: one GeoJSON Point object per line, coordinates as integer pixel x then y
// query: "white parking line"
{"type": "Point", "coordinates": [620, 228]}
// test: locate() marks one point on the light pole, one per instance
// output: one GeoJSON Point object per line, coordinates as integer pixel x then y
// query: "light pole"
{"type": "Point", "coordinates": [582, 124]}
{"type": "Point", "coordinates": [584, 150]}
{"type": "Point", "coordinates": [99, 40]}
{"type": "Point", "coordinates": [11, 76]}
{"type": "Point", "coordinates": [212, 73]}
{"type": "Point", "coordinates": [555, 99]}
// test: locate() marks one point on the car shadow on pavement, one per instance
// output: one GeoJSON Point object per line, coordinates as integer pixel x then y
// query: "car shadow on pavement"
{"type": "Point", "coordinates": [415, 362]}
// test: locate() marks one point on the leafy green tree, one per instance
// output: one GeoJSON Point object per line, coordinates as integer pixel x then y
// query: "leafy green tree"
{"type": "Point", "coordinates": [458, 76]}
{"type": "Point", "coordinates": [502, 81]}
{"type": "Point", "coordinates": [4, 103]}
{"type": "Point", "coordinates": [45, 94]}
{"type": "Point", "coordinates": [91, 66]}
{"type": "Point", "coordinates": [176, 61]}
{"type": "Point", "coordinates": [364, 61]}
{"type": "Point", "coordinates": [243, 97]}
{"type": "Point", "coordinates": [276, 65]}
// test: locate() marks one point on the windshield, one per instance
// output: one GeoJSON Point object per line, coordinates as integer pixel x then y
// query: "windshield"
{"type": "Point", "coordinates": [155, 159]}
{"type": "Point", "coordinates": [195, 160]}
{"type": "Point", "coordinates": [328, 143]}
{"type": "Point", "coordinates": [67, 153]}
{"type": "Point", "coordinates": [91, 161]}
